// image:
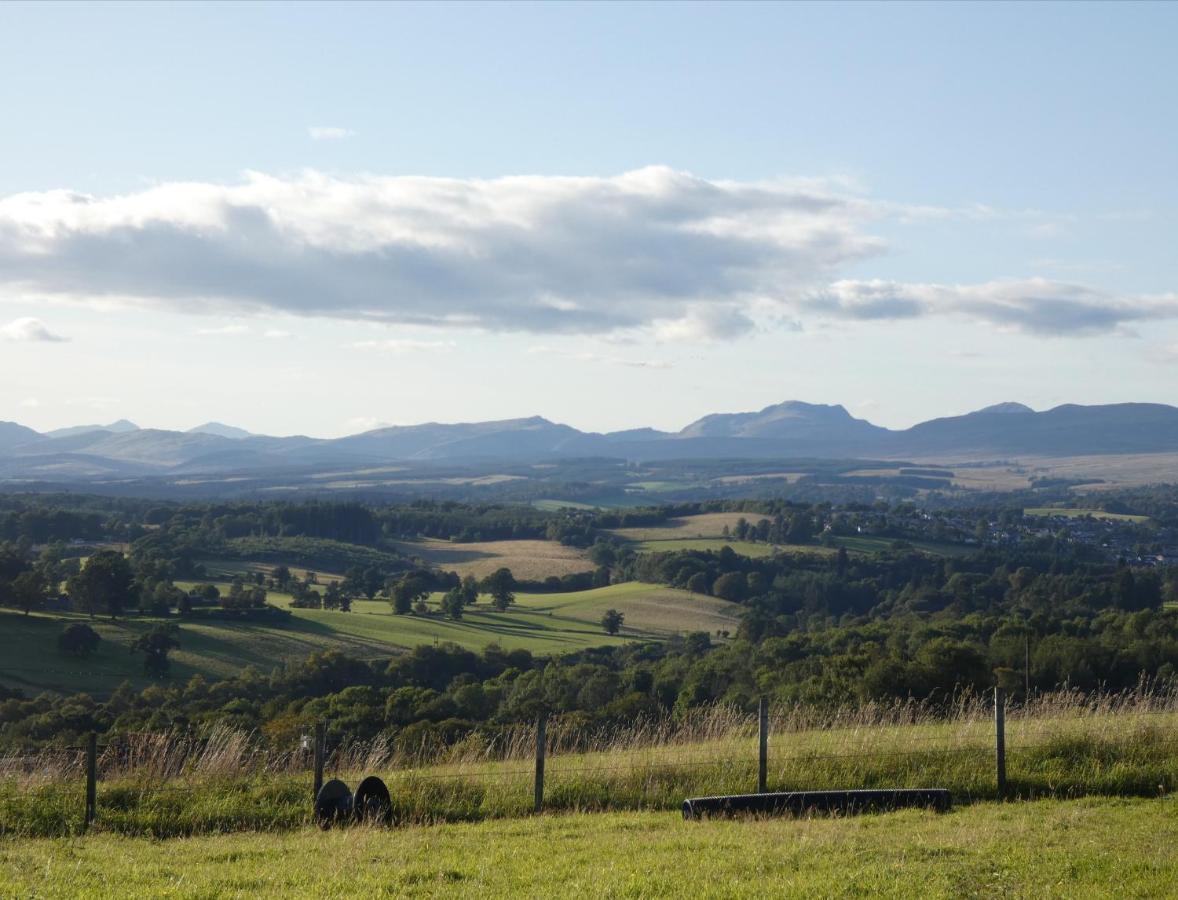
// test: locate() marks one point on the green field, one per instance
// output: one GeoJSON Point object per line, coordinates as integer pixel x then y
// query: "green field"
{"type": "Point", "coordinates": [713, 545]}
{"type": "Point", "coordinates": [528, 560]}
{"type": "Point", "coordinates": [542, 623]}
{"type": "Point", "coordinates": [1047, 511]}
{"type": "Point", "coordinates": [1092, 848]}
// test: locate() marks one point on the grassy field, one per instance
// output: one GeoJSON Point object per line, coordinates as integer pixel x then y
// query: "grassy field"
{"type": "Point", "coordinates": [714, 545]}
{"type": "Point", "coordinates": [1046, 511]}
{"type": "Point", "coordinates": [705, 525]}
{"type": "Point", "coordinates": [705, 532]}
{"type": "Point", "coordinates": [528, 560]}
{"type": "Point", "coordinates": [1095, 848]}
{"type": "Point", "coordinates": [542, 623]}
{"type": "Point", "coordinates": [1063, 746]}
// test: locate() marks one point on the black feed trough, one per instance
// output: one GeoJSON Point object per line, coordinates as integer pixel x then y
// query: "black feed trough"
{"type": "Point", "coordinates": [333, 804]}
{"type": "Point", "coordinates": [801, 802]}
{"type": "Point", "coordinates": [371, 802]}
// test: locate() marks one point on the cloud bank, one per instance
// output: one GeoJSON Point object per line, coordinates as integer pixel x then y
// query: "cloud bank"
{"type": "Point", "coordinates": [29, 329]}
{"type": "Point", "coordinates": [653, 251]}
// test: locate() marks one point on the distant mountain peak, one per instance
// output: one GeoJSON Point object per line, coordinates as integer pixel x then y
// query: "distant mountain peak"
{"type": "Point", "coordinates": [122, 426]}
{"type": "Point", "coordinates": [220, 429]}
{"type": "Point", "coordinates": [1003, 409]}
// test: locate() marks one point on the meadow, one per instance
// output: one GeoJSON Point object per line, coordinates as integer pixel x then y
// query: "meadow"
{"type": "Point", "coordinates": [541, 623]}
{"type": "Point", "coordinates": [1048, 511]}
{"type": "Point", "coordinates": [1050, 848]}
{"type": "Point", "coordinates": [528, 560]}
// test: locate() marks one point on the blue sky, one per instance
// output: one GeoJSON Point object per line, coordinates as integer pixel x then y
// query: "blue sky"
{"type": "Point", "coordinates": [913, 210]}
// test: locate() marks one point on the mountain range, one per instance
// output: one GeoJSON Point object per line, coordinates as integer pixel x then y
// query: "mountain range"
{"type": "Point", "coordinates": [785, 430]}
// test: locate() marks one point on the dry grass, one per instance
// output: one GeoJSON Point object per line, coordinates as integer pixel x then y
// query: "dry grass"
{"type": "Point", "coordinates": [529, 560]}
{"type": "Point", "coordinates": [1062, 744]}
{"type": "Point", "coordinates": [705, 525]}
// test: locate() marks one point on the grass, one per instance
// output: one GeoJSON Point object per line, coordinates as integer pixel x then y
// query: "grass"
{"type": "Point", "coordinates": [714, 545]}
{"type": "Point", "coordinates": [706, 532]}
{"type": "Point", "coordinates": [1094, 848]}
{"type": "Point", "coordinates": [542, 623]}
{"type": "Point", "coordinates": [705, 525]}
{"type": "Point", "coordinates": [1047, 511]}
{"type": "Point", "coordinates": [1063, 746]}
{"type": "Point", "coordinates": [528, 560]}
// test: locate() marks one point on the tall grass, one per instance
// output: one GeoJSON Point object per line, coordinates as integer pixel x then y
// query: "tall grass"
{"type": "Point", "coordinates": [1059, 744]}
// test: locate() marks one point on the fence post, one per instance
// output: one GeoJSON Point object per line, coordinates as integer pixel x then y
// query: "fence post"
{"type": "Point", "coordinates": [91, 779]}
{"type": "Point", "coordinates": [320, 752]}
{"type": "Point", "coordinates": [763, 732]}
{"type": "Point", "coordinates": [1000, 738]}
{"type": "Point", "coordinates": [541, 743]}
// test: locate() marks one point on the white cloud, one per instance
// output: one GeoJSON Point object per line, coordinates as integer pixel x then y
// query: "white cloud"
{"type": "Point", "coordinates": [540, 254]}
{"type": "Point", "coordinates": [365, 423]}
{"type": "Point", "coordinates": [652, 254]}
{"type": "Point", "coordinates": [30, 403]}
{"type": "Point", "coordinates": [224, 330]}
{"type": "Point", "coordinates": [29, 329]}
{"type": "Point", "coordinates": [404, 345]}
{"type": "Point", "coordinates": [1032, 305]}
{"type": "Point", "coordinates": [329, 133]}
{"type": "Point", "coordinates": [276, 334]}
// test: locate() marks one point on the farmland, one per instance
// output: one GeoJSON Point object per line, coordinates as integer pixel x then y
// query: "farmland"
{"type": "Point", "coordinates": [1049, 848]}
{"type": "Point", "coordinates": [1048, 511]}
{"type": "Point", "coordinates": [542, 623]}
{"type": "Point", "coordinates": [528, 560]}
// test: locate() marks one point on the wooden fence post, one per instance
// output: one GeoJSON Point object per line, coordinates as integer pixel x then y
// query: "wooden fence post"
{"type": "Point", "coordinates": [320, 752]}
{"type": "Point", "coordinates": [541, 744]}
{"type": "Point", "coordinates": [763, 732]}
{"type": "Point", "coordinates": [91, 780]}
{"type": "Point", "coordinates": [1000, 738]}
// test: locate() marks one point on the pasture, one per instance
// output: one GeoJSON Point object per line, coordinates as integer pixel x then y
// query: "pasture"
{"type": "Point", "coordinates": [1050, 511]}
{"type": "Point", "coordinates": [528, 560]}
{"type": "Point", "coordinates": [1048, 848]}
{"type": "Point", "coordinates": [541, 623]}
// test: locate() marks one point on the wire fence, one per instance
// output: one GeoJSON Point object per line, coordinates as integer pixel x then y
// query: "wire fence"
{"type": "Point", "coordinates": [168, 783]}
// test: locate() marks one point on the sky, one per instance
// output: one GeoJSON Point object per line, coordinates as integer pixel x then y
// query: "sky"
{"type": "Point", "coordinates": [321, 219]}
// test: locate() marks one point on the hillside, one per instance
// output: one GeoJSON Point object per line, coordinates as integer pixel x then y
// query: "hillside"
{"type": "Point", "coordinates": [541, 623]}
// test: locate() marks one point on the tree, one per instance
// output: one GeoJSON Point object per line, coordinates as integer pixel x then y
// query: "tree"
{"type": "Point", "coordinates": [78, 640]}
{"type": "Point", "coordinates": [105, 584]}
{"type": "Point", "coordinates": [409, 590]}
{"type": "Point", "coordinates": [699, 583]}
{"type": "Point", "coordinates": [156, 645]}
{"type": "Point", "coordinates": [29, 590]}
{"type": "Point", "coordinates": [453, 603]}
{"type": "Point", "coordinates": [500, 584]}
{"type": "Point", "coordinates": [371, 582]}
{"type": "Point", "coordinates": [470, 590]}
{"type": "Point", "coordinates": [801, 529]}
{"type": "Point", "coordinates": [841, 563]}
{"type": "Point", "coordinates": [730, 586]}
{"type": "Point", "coordinates": [612, 621]}
{"type": "Point", "coordinates": [281, 576]}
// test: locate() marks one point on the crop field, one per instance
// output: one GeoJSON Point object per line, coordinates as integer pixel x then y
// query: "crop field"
{"type": "Point", "coordinates": [528, 560]}
{"type": "Point", "coordinates": [705, 525]}
{"type": "Point", "coordinates": [1048, 511]}
{"type": "Point", "coordinates": [1049, 848]}
{"type": "Point", "coordinates": [542, 623]}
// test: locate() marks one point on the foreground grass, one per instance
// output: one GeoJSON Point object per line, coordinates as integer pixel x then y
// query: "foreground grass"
{"type": "Point", "coordinates": [1097, 848]}
{"type": "Point", "coordinates": [1061, 752]}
